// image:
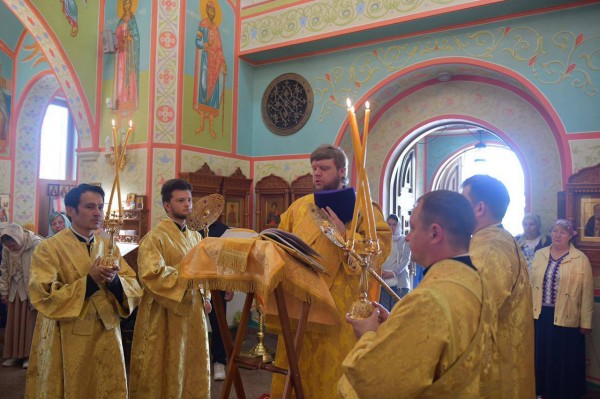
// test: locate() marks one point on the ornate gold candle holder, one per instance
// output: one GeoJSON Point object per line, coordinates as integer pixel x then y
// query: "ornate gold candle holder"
{"type": "Point", "coordinates": [364, 257]}
{"type": "Point", "coordinates": [112, 225]}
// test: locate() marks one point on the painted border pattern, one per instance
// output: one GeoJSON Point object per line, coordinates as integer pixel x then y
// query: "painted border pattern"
{"type": "Point", "coordinates": [552, 59]}
{"type": "Point", "coordinates": [55, 58]}
{"type": "Point", "coordinates": [165, 120]}
{"type": "Point", "coordinates": [27, 148]}
{"type": "Point", "coordinates": [327, 16]}
{"type": "Point", "coordinates": [163, 169]}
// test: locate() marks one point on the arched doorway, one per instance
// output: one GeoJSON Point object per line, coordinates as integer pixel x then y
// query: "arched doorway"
{"type": "Point", "coordinates": [418, 100]}
{"type": "Point", "coordinates": [450, 153]}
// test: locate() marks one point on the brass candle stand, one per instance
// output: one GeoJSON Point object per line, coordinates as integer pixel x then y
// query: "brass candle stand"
{"type": "Point", "coordinates": [260, 350]}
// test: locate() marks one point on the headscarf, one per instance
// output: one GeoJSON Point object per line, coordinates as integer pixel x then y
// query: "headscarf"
{"type": "Point", "coordinates": [54, 215]}
{"type": "Point", "coordinates": [565, 224]}
{"type": "Point", "coordinates": [521, 240]}
{"type": "Point", "coordinates": [535, 218]}
{"type": "Point", "coordinates": [17, 233]}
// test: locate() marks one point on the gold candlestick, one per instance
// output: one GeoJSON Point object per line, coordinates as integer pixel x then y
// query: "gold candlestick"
{"type": "Point", "coordinates": [113, 221]}
{"type": "Point", "coordinates": [112, 225]}
{"type": "Point", "coordinates": [260, 349]}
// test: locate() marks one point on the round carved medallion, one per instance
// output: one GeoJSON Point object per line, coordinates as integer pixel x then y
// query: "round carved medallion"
{"type": "Point", "coordinates": [287, 104]}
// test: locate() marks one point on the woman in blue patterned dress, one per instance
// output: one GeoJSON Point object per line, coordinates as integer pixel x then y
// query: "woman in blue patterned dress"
{"type": "Point", "coordinates": [531, 240]}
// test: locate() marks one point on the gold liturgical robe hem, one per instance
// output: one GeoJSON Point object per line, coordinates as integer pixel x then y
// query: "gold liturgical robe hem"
{"type": "Point", "coordinates": [169, 355]}
{"type": "Point", "coordinates": [255, 265]}
{"type": "Point", "coordinates": [323, 352]}
{"type": "Point", "coordinates": [436, 343]}
{"type": "Point", "coordinates": [495, 254]}
{"type": "Point", "coordinates": [77, 350]}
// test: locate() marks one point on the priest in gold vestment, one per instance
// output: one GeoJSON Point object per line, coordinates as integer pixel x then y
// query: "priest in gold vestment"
{"type": "Point", "coordinates": [501, 264]}
{"type": "Point", "coordinates": [322, 352]}
{"type": "Point", "coordinates": [77, 350]}
{"type": "Point", "coordinates": [169, 355]}
{"type": "Point", "coordinates": [438, 340]}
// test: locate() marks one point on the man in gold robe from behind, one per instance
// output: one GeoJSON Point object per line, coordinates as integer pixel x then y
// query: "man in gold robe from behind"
{"type": "Point", "coordinates": [322, 352]}
{"type": "Point", "coordinates": [501, 264]}
{"type": "Point", "coordinates": [169, 354]}
{"type": "Point", "coordinates": [438, 340]}
{"type": "Point", "coordinates": [77, 350]}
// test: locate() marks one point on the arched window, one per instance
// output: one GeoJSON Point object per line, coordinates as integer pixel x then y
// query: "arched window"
{"type": "Point", "coordinates": [58, 143]}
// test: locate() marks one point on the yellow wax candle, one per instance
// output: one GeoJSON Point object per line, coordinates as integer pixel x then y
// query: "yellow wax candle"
{"type": "Point", "coordinates": [371, 215]}
{"type": "Point", "coordinates": [112, 191]}
{"type": "Point", "coordinates": [357, 206]}
{"type": "Point", "coordinates": [365, 134]}
{"type": "Point", "coordinates": [357, 152]}
{"type": "Point", "coordinates": [367, 207]}
{"type": "Point", "coordinates": [120, 159]}
{"type": "Point", "coordinates": [355, 136]}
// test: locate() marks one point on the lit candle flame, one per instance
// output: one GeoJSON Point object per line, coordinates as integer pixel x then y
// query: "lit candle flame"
{"type": "Point", "coordinates": [130, 123]}
{"type": "Point", "coordinates": [348, 102]}
{"type": "Point", "coordinates": [113, 123]}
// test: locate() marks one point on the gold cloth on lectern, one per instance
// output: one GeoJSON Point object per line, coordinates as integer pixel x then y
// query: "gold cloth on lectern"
{"type": "Point", "coordinates": [255, 265]}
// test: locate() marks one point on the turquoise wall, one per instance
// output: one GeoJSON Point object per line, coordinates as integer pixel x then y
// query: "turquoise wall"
{"type": "Point", "coordinates": [554, 52]}
{"type": "Point", "coordinates": [27, 70]}
{"type": "Point", "coordinates": [12, 28]}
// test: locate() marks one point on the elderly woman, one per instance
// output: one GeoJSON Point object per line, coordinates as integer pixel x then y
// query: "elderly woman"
{"type": "Point", "coordinates": [57, 221]}
{"type": "Point", "coordinates": [531, 240]}
{"type": "Point", "coordinates": [14, 292]}
{"type": "Point", "coordinates": [563, 299]}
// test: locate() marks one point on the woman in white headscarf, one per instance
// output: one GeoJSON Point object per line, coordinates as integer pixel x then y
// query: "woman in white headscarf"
{"type": "Point", "coordinates": [532, 240]}
{"type": "Point", "coordinates": [14, 281]}
{"type": "Point", "coordinates": [57, 221]}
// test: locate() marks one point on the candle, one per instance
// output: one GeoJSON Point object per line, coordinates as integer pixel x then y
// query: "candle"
{"type": "Point", "coordinates": [357, 150]}
{"type": "Point", "coordinates": [365, 134]}
{"type": "Point", "coordinates": [124, 140]}
{"type": "Point", "coordinates": [116, 155]}
{"type": "Point", "coordinates": [355, 135]}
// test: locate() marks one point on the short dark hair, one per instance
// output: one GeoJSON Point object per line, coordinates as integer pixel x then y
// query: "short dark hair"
{"type": "Point", "coordinates": [452, 212]}
{"type": "Point", "coordinates": [491, 191]}
{"type": "Point", "coordinates": [393, 217]}
{"type": "Point", "coordinates": [171, 185]}
{"type": "Point", "coordinates": [72, 198]}
{"type": "Point", "coordinates": [328, 151]}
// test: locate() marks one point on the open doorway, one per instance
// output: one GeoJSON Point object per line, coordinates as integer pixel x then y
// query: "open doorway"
{"type": "Point", "coordinates": [443, 157]}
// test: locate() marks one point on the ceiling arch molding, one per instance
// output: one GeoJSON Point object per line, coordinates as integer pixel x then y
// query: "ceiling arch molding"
{"type": "Point", "coordinates": [412, 102]}
{"type": "Point", "coordinates": [61, 66]}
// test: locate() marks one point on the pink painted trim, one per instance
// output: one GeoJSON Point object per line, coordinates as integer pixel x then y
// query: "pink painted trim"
{"type": "Point", "coordinates": [152, 103]}
{"type": "Point", "coordinates": [180, 74]}
{"type": "Point", "coordinates": [95, 130]}
{"type": "Point", "coordinates": [280, 157]}
{"type": "Point", "coordinates": [245, 55]}
{"type": "Point", "coordinates": [194, 149]}
{"type": "Point", "coordinates": [6, 49]}
{"type": "Point", "coordinates": [235, 81]}
{"type": "Point", "coordinates": [274, 9]}
{"type": "Point", "coordinates": [583, 136]}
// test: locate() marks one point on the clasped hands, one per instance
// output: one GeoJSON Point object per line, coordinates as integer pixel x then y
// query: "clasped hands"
{"type": "Point", "coordinates": [101, 274]}
{"type": "Point", "coordinates": [371, 323]}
